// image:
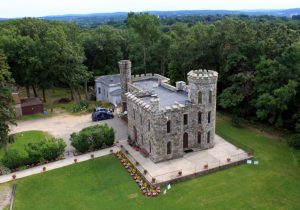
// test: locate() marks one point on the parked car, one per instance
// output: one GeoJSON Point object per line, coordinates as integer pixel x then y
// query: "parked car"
{"type": "Point", "coordinates": [101, 114]}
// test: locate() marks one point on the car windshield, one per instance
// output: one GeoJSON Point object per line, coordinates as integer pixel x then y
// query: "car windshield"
{"type": "Point", "coordinates": [99, 109]}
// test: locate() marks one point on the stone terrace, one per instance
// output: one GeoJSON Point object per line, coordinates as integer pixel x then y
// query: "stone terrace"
{"type": "Point", "coordinates": [191, 164]}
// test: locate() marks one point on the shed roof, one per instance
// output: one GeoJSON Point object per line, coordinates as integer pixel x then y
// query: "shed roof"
{"type": "Point", "coordinates": [113, 79]}
{"type": "Point", "coordinates": [31, 102]}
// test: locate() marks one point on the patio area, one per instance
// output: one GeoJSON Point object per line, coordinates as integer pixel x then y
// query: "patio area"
{"type": "Point", "coordinates": [222, 155]}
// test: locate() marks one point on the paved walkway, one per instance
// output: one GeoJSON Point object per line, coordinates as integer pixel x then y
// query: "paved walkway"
{"type": "Point", "coordinates": [56, 164]}
{"type": "Point", "coordinates": [63, 125]}
{"type": "Point", "coordinates": [5, 194]}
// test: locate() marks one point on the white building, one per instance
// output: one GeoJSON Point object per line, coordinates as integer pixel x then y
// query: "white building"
{"type": "Point", "coordinates": [108, 88]}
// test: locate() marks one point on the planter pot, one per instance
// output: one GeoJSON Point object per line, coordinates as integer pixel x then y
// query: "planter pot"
{"type": "Point", "coordinates": [44, 168]}
{"type": "Point", "coordinates": [75, 160]}
{"type": "Point", "coordinates": [14, 176]}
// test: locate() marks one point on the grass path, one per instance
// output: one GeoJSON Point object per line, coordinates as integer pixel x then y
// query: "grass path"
{"type": "Point", "coordinates": [104, 184]}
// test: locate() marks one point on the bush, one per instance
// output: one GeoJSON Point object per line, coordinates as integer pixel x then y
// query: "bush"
{"type": "Point", "coordinates": [294, 141]}
{"type": "Point", "coordinates": [81, 106]}
{"type": "Point", "coordinates": [237, 121]}
{"type": "Point", "coordinates": [93, 138]}
{"type": "Point", "coordinates": [13, 159]}
{"type": "Point", "coordinates": [49, 150]}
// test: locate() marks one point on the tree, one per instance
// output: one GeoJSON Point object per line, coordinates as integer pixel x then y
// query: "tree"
{"type": "Point", "coordinates": [147, 28]}
{"type": "Point", "coordinates": [7, 113]}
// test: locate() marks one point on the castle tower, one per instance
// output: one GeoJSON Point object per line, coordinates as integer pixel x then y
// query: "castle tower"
{"type": "Point", "coordinates": [125, 77]}
{"type": "Point", "coordinates": [202, 92]}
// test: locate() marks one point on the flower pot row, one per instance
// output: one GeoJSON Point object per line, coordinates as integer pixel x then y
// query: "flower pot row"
{"type": "Point", "coordinates": [146, 189]}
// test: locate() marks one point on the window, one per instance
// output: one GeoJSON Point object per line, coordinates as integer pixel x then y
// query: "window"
{"type": "Point", "coordinates": [149, 146]}
{"type": "Point", "coordinates": [99, 90]}
{"type": "Point", "coordinates": [134, 114]}
{"type": "Point", "coordinates": [169, 126]}
{"type": "Point", "coordinates": [199, 97]}
{"type": "Point", "coordinates": [169, 148]}
{"type": "Point", "coordinates": [148, 125]}
{"type": "Point", "coordinates": [185, 119]}
{"type": "Point", "coordinates": [142, 139]}
{"type": "Point", "coordinates": [141, 119]}
{"type": "Point", "coordinates": [199, 117]}
{"type": "Point", "coordinates": [199, 137]}
{"type": "Point", "coordinates": [208, 117]}
{"type": "Point", "coordinates": [210, 97]}
{"type": "Point", "coordinates": [208, 137]}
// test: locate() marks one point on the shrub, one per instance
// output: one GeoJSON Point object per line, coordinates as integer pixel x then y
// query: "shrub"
{"type": "Point", "coordinates": [13, 159]}
{"type": "Point", "coordinates": [93, 138]}
{"type": "Point", "coordinates": [294, 141]}
{"type": "Point", "coordinates": [237, 121]}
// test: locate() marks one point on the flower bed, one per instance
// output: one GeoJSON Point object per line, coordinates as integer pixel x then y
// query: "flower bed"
{"type": "Point", "coordinates": [146, 189]}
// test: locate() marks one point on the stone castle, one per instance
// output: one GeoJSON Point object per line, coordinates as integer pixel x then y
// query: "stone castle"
{"type": "Point", "coordinates": [167, 121]}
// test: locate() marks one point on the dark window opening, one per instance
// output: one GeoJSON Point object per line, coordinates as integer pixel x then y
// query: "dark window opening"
{"type": "Point", "coordinates": [208, 137]}
{"type": "Point", "coordinates": [199, 117]}
{"type": "Point", "coordinates": [199, 97]}
{"type": "Point", "coordinates": [210, 97]}
{"type": "Point", "coordinates": [168, 126]}
{"type": "Point", "coordinates": [208, 117]}
{"type": "Point", "coordinates": [185, 119]}
{"type": "Point", "coordinates": [99, 90]}
{"type": "Point", "coordinates": [199, 138]}
{"type": "Point", "coordinates": [169, 148]}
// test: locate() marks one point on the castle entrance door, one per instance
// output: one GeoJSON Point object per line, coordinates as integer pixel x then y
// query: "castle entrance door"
{"type": "Point", "coordinates": [185, 140]}
{"type": "Point", "coordinates": [135, 133]}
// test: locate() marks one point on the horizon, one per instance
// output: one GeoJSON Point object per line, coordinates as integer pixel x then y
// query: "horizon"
{"type": "Point", "coordinates": [36, 8]}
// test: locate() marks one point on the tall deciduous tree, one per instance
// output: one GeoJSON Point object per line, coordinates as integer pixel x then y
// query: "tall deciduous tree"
{"type": "Point", "coordinates": [7, 113]}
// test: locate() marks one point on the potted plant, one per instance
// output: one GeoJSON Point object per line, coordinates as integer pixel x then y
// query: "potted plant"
{"type": "Point", "coordinates": [44, 168]}
{"type": "Point", "coordinates": [145, 171]}
{"type": "Point", "coordinates": [153, 180]}
{"type": "Point", "coordinates": [111, 151]}
{"type": "Point", "coordinates": [179, 173]}
{"type": "Point", "coordinates": [137, 163]}
{"type": "Point", "coordinates": [228, 160]}
{"type": "Point", "coordinates": [75, 160]}
{"type": "Point", "coordinates": [14, 176]}
{"type": "Point", "coordinates": [206, 166]}
{"type": "Point", "coordinates": [92, 156]}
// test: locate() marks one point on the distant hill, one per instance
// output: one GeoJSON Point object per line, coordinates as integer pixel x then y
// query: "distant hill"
{"type": "Point", "coordinates": [98, 18]}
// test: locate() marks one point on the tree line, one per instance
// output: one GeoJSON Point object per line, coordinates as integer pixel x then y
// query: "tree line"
{"type": "Point", "coordinates": [258, 59]}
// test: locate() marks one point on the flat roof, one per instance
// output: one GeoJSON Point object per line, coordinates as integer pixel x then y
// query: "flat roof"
{"type": "Point", "coordinates": [166, 97]}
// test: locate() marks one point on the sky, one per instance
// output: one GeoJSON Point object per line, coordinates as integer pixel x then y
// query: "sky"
{"type": "Point", "coordinates": [38, 8]}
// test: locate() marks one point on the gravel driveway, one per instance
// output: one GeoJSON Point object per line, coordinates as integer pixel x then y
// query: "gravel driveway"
{"type": "Point", "coordinates": [65, 124]}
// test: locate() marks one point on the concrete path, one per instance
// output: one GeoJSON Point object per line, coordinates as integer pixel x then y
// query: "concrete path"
{"type": "Point", "coordinates": [56, 164]}
{"type": "Point", "coordinates": [63, 125]}
{"type": "Point", "coordinates": [5, 194]}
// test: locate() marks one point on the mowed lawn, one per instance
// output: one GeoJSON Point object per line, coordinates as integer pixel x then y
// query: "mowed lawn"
{"type": "Point", "coordinates": [104, 184]}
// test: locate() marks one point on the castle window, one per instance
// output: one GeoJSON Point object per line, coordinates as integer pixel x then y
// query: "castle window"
{"type": "Point", "coordinates": [142, 139]}
{"type": "Point", "coordinates": [210, 97]}
{"type": "Point", "coordinates": [169, 126]}
{"type": "Point", "coordinates": [199, 138]}
{"type": "Point", "coordinates": [134, 114]}
{"type": "Point", "coordinates": [208, 117]}
{"type": "Point", "coordinates": [185, 119]}
{"type": "Point", "coordinates": [149, 146]}
{"type": "Point", "coordinates": [199, 97]}
{"type": "Point", "coordinates": [141, 119]}
{"type": "Point", "coordinates": [169, 148]}
{"type": "Point", "coordinates": [99, 90]}
{"type": "Point", "coordinates": [199, 117]}
{"type": "Point", "coordinates": [148, 125]}
{"type": "Point", "coordinates": [208, 137]}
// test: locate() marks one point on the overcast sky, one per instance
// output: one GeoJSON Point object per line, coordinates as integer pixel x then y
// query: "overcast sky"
{"type": "Point", "coordinates": [36, 8]}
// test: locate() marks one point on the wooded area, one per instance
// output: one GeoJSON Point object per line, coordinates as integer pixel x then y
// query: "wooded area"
{"type": "Point", "coordinates": [258, 58]}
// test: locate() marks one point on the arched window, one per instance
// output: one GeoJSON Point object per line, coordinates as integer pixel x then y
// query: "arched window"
{"type": "Point", "coordinates": [169, 148]}
{"type": "Point", "coordinates": [208, 137]}
{"type": "Point", "coordinates": [199, 117]}
{"type": "Point", "coordinates": [169, 126]}
{"type": "Point", "coordinates": [210, 96]}
{"type": "Point", "coordinates": [199, 138]}
{"type": "Point", "coordinates": [199, 97]}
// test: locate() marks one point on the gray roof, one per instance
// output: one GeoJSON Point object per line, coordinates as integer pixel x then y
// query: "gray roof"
{"type": "Point", "coordinates": [116, 92]}
{"type": "Point", "coordinates": [113, 79]}
{"type": "Point", "coordinates": [166, 97]}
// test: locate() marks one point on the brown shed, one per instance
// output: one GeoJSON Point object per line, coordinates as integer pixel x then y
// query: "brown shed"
{"type": "Point", "coordinates": [31, 106]}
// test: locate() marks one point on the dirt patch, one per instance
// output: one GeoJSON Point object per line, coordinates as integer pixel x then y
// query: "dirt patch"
{"type": "Point", "coordinates": [5, 194]}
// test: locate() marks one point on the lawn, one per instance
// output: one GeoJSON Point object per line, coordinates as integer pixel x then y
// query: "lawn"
{"type": "Point", "coordinates": [23, 138]}
{"type": "Point", "coordinates": [104, 184]}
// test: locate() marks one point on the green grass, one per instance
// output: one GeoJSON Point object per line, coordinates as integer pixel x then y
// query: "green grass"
{"type": "Point", "coordinates": [23, 138]}
{"type": "Point", "coordinates": [104, 184]}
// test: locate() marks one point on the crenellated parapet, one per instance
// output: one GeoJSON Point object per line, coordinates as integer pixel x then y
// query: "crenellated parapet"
{"type": "Point", "coordinates": [203, 76]}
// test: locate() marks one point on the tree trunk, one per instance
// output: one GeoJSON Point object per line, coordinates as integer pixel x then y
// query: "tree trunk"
{"type": "Point", "coordinates": [27, 91]}
{"type": "Point", "coordinates": [86, 90]}
{"type": "Point", "coordinates": [44, 94]}
{"type": "Point", "coordinates": [72, 94]}
{"type": "Point", "coordinates": [34, 91]}
{"type": "Point", "coordinates": [50, 98]}
{"type": "Point", "coordinates": [75, 95]}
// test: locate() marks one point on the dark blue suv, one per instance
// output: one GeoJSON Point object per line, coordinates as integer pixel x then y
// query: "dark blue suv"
{"type": "Point", "coordinates": [101, 114]}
